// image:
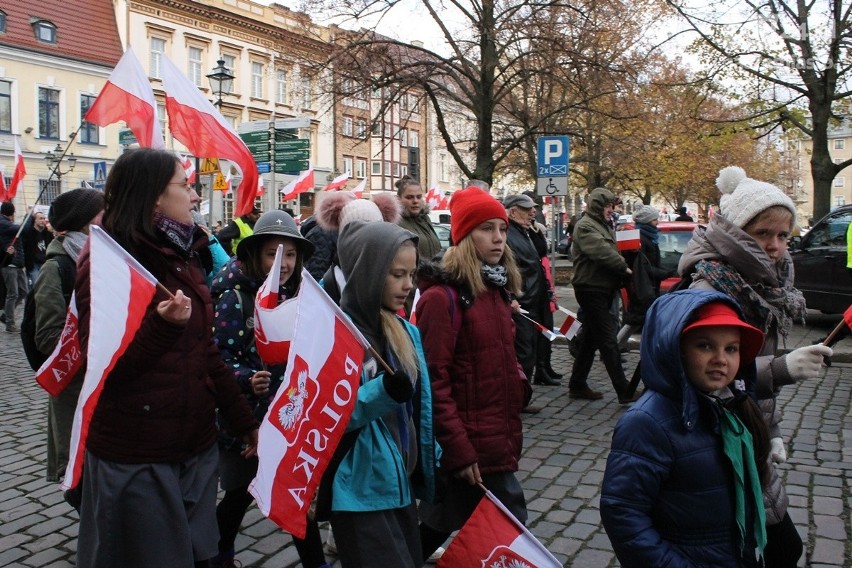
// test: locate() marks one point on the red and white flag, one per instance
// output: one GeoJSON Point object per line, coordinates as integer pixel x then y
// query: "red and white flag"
{"type": "Point", "coordinates": [62, 365]}
{"type": "Point", "coordinates": [17, 181]}
{"type": "Point", "coordinates": [127, 96]}
{"type": "Point", "coordinates": [628, 240]}
{"type": "Point", "coordinates": [188, 167]}
{"type": "Point", "coordinates": [358, 191]}
{"type": "Point", "coordinates": [195, 122]}
{"type": "Point", "coordinates": [303, 183]}
{"type": "Point", "coordinates": [338, 182]}
{"type": "Point", "coordinates": [571, 326]}
{"type": "Point", "coordinates": [434, 198]}
{"type": "Point", "coordinates": [260, 186]}
{"type": "Point", "coordinates": [121, 290]}
{"type": "Point", "coordinates": [273, 323]}
{"type": "Point", "coordinates": [493, 537]}
{"type": "Point", "coordinates": [310, 411]}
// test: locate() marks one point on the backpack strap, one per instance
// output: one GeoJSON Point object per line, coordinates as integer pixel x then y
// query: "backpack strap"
{"type": "Point", "coordinates": [67, 275]}
{"type": "Point", "coordinates": [455, 314]}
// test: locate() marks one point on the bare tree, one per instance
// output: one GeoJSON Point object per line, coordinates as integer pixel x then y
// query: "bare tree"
{"type": "Point", "coordinates": [785, 57]}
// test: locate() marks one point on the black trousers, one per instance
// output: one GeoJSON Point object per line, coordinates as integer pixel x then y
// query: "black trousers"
{"type": "Point", "coordinates": [783, 545]}
{"type": "Point", "coordinates": [527, 337]}
{"type": "Point", "coordinates": [599, 332]}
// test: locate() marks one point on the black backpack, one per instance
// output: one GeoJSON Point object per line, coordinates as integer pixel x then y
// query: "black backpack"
{"type": "Point", "coordinates": [67, 274]}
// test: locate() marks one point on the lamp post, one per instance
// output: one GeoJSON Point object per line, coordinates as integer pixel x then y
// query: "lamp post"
{"type": "Point", "coordinates": [221, 81]}
{"type": "Point", "coordinates": [54, 161]}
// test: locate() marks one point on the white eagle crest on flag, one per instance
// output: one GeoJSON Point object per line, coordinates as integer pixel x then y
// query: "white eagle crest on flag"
{"type": "Point", "coordinates": [291, 412]}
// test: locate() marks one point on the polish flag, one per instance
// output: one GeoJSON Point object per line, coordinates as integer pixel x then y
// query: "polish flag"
{"type": "Point", "coordinates": [309, 413]}
{"type": "Point", "coordinates": [127, 96]}
{"type": "Point", "coordinates": [358, 191]}
{"type": "Point", "coordinates": [303, 183]}
{"type": "Point", "coordinates": [18, 175]}
{"type": "Point", "coordinates": [188, 165]}
{"type": "Point", "coordinates": [260, 187]}
{"type": "Point", "coordinates": [273, 323]}
{"type": "Point", "coordinates": [433, 198]}
{"type": "Point", "coordinates": [121, 289]}
{"type": "Point", "coordinates": [196, 123]}
{"type": "Point", "coordinates": [62, 365]}
{"type": "Point", "coordinates": [492, 536]}
{"type": "Point", "coordinates": [571, 326]}
{"type": "Point", "coordinates": [628, 240]}
{"type": "Point", "coordinates": [338, 182]}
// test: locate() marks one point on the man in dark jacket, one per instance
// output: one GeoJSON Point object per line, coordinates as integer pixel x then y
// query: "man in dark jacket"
{"type": "Point", "coordinates": [14, 277]}
{"type": "Point", "coordinates": [35, 238]}
{"type": "Point", "coordinates": [683, 216]}
{"type": "Point", "coordinates": [238, 229]}
{"type": "Point", "coordinates": [534, 299]}
{"type": "Point", "coordinates": [599, 271]}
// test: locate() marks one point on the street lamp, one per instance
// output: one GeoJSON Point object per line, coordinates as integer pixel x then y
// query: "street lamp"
{"type": "Point", "coordinates": [54, 159]}
{"type": "Point", "coordinates": [221, 81]}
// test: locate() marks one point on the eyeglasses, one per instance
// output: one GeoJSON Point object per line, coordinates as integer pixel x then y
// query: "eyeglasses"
{"type": "Point", "coordinates": [184, 183]}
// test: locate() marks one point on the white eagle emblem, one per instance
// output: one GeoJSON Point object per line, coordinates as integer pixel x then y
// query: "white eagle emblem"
{"type": "Point", "coordinates": [292, 411]}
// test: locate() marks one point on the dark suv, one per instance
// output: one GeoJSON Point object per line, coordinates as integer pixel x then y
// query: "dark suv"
{"type": "Point", "coordinates": [819, 258]}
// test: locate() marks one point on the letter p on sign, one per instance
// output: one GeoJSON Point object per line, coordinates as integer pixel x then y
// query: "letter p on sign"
{"type": "Point", "coordinates": [552, 149]}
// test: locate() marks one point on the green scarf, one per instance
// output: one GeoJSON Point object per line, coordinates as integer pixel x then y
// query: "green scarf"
{"type": "Point", "coordinates": [737, 444]}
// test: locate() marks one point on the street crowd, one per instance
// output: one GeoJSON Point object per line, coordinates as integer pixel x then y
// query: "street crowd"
{"type": "Point", "coordinates": [691, 479]}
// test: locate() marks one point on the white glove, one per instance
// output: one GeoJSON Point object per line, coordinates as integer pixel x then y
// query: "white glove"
{"type": "Point", "coordinates": [806, 362]}
{"type": "Point", "coordinates": [777, 452]}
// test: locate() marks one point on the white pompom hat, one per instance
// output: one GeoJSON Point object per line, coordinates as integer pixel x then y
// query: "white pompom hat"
{"type": "Point", "coordinates": [744, 198]}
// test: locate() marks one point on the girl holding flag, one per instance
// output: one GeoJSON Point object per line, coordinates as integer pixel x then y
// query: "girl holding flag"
{"type": "Point", "coordinates": [235, 289]}
{"type": "Point", "coordinates": [465, 316]}
{"type": "Point", "coordinates": [150, 468]}
{"type": "Point", "coordinates": [389, 441]}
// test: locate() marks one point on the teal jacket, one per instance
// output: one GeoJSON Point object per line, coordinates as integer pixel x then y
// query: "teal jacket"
{"type": "Point", "coordinates": [372, 475]}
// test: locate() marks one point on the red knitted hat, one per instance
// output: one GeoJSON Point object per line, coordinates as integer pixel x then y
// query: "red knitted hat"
{"type": "Point", "coordinates": [470, 207]}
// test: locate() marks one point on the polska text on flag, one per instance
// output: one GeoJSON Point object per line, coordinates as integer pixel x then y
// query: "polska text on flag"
{"type": "Point", "coordinates": [63, 363]}
{"type": "Point", "coordinates": [492, 536]}
{"type": "Point", "coordinates": [309, 413]}
{"type": "Point", "coordinates": [121, 290]}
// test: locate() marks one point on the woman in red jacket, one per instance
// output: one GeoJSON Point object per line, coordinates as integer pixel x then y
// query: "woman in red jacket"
{"type": "Point", "coordinates": [150, 469]}
{"type": "Point", "coordinates": [465, 319]}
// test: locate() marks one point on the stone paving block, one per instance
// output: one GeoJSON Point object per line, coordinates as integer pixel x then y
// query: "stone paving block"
{"type": "Point", "coordinates": [580, 531]}
{"type": "Point", "coordinates": [45, 557]}
{"type": "Point", "coordinates": [591, 557]}
{"type": "Point", "coordinates": [830, 527]}
{"type": "Point", "coordinates": [827, 505]}
{"type": "Point", "coordinates": [831, 552]}
{"type": "Point", "coordinates": [9, 557]}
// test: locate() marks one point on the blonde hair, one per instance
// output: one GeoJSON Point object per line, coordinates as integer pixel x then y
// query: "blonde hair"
{"type": "Point", "coordinates": [400, 343]}
{"type": "Point", "coordinates": [463, 265]}
{"type": "Point", "coordinates": [774, 214]}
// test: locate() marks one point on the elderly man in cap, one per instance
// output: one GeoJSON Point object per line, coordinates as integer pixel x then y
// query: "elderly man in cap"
{"type": "Point", "coordinates": [535, 297]}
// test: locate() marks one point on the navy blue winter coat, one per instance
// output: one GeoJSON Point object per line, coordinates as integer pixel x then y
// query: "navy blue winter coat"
{"type": "Point", "coordinates": [667, 496]}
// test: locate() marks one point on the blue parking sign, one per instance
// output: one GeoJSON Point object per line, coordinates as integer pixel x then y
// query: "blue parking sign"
{"type": "Point", "coordinates": [552, 156]}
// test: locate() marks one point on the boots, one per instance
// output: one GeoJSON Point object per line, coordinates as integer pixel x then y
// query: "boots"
{"type": "Point", "coordinates": [543, 377]}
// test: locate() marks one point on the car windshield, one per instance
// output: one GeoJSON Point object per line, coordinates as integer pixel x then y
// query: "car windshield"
{"type": "Point", "coordinates": [672, 246]}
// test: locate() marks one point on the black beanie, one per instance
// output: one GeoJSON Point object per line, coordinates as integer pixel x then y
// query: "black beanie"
{"type": "Point", "coordinates": [74, 209]}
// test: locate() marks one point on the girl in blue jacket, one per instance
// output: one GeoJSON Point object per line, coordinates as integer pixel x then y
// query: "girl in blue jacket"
{"type": "Point", "coordinates": [390, 459]}
{"type": "Point", "coordinates": [683, 481]}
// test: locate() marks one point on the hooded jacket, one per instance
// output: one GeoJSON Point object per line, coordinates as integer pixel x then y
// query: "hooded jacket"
{"type": "Point", "coordinates": [159, 401]}
{"type": "Point", "coordinates": [597, 263]}
{"type": "Point", "coordinates": [428, 243]}
{"type": "Point", "coordinates": [667, 497]}
{"type": "Point", "coordinates": [479, 386]}
{"type": "Point", "coordinates": [723, 241]}
{"type": "Point", "coordinates": [374, 474]}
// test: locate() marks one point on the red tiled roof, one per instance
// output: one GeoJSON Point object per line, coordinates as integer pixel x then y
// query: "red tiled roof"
{"type": "Point", "coordinates": [85, 29]}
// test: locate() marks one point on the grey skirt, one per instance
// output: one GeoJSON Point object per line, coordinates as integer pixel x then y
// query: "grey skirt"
{"type": "Point", "coordinates": [154, 514]}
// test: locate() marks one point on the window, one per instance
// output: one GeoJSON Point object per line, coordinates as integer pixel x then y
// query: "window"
{"type": "Point", "coordinates": [193, 70]}
{"type": "Point", "coordinates": [48, 114]}
{"type": "Point", "coordinates": [442, 167]}
{"type": "Point", "coordinates": [5, 106]}
{"type": "Point", "coordinates": [414, 139]}
{"type": "Point", "coordinates": [257, 80]}
{"type": "Point", "coordinates": [89, 133]}
{"type": "Point", "coordinates": [376, 168]}
{"type": "Point", "coordinates": [396, 170]}
{"type": "Point", "coordinates": [839, 200]}
{"type": "Point", "coordinates": [361, 168]}
{"type": "Point", "coordinates": [839, 182]}
{"type": "Point", "coordinates": [158, 50]}
{"type": "Point", "coordinates": [307, 96]}
{"type": "Point", "coordinates": [840, 144]}
{"type": "Point", "coordinates": [347, 165]}
{"type": "Point", "coordinates": [2, 22]}
{"type": "Point", "coordinates": [376, 129]}
{"type": "Point", "coordinates": [281, 87]}
{"type": "Point", "coordinates": [403, 137]}
{"type": "Point", "coordinates": [161, 116]}
{"type": "Point", "coordinates": [387, 130]}
{"type": "Point", "coordinates": [361, 128]}
{"type": "Point", "coordinates": [830, 233]}
{"type": "Point", "coordinates": [403, 171]}
{"type": "Point", "coordinates": [388, 168]}
{"type": "Point", "coordinates": [347, 126]}
{"type": "Point", "coordinates": [49, 190]}
{"type": "Point", "coordinates": [46, 32]}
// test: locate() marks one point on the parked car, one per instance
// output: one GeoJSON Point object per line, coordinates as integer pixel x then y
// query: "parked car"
{"type": "Point", "coordinates": [443, 232]}
{"type": "Point", "coordinates": [819, 260]}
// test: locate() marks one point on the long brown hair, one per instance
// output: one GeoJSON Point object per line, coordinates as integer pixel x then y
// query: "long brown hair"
{"type": "Point", "coordinates": [463, 265]}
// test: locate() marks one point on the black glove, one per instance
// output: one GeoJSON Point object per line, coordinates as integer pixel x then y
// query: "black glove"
{"type": "Point", "coordinates": [398, 385]}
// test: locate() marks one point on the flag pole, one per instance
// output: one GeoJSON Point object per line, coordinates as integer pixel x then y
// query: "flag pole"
{"type": "Point", "coordinates": [837, 329]}
{"type": "Point", "coordinates": [381, 361]}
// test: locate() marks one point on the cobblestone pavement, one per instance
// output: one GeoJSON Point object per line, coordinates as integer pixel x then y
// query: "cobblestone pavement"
{"type": "Point", "coordinates": [566, 446]}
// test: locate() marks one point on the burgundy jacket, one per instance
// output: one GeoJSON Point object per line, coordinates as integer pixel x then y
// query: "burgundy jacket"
{"type": "Point", "coordinates": [159, 402]}
{"type": "Point", "coordinates": [478, 388]}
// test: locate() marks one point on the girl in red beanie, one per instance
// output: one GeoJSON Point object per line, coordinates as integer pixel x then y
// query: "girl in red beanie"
{"type": "Point", "coordinates": [465, 319]}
